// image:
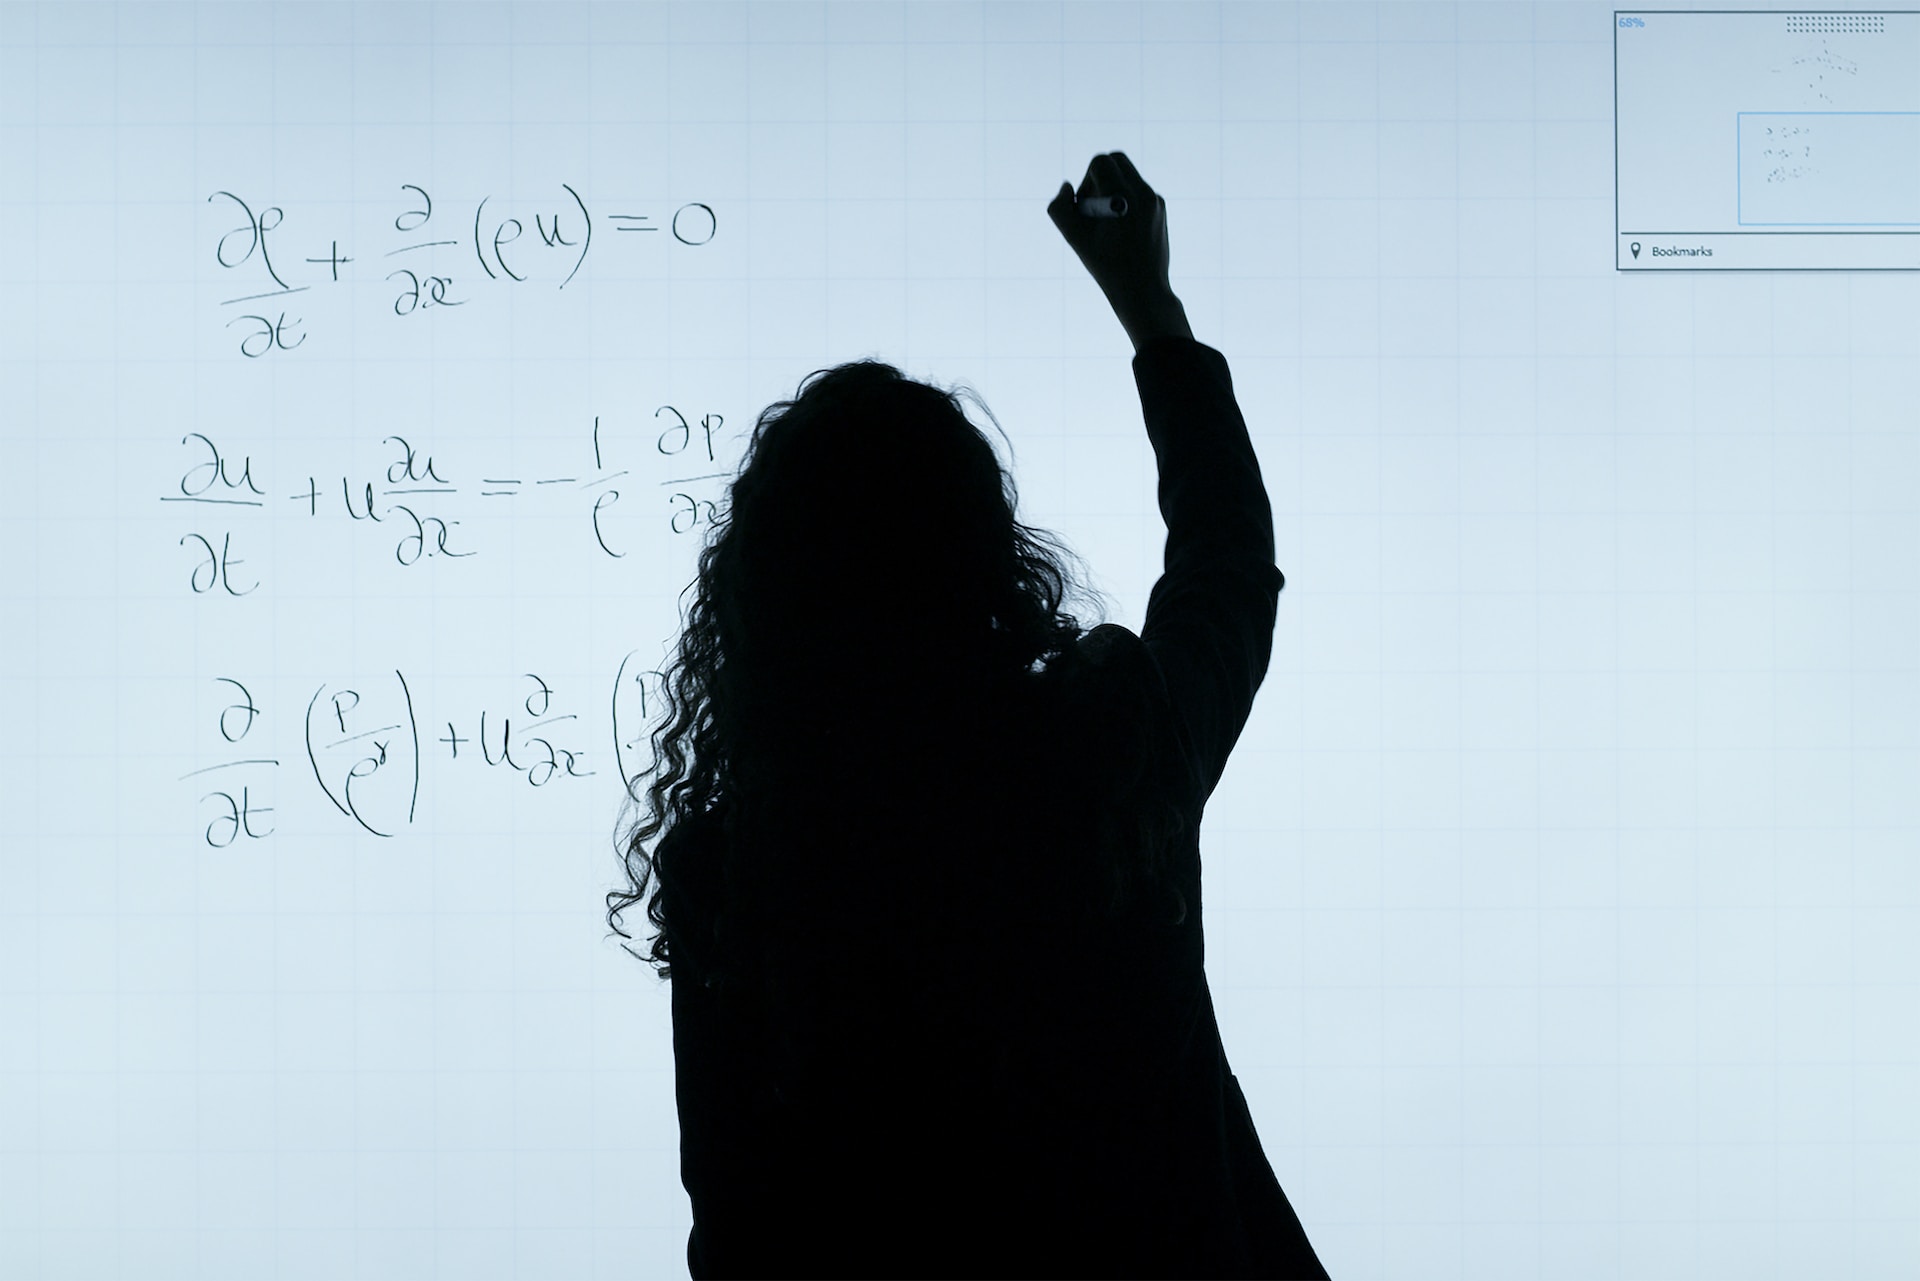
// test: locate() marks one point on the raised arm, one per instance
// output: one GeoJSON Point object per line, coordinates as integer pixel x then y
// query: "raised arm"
{"type": "Point", "coordinates": [1210, 617]}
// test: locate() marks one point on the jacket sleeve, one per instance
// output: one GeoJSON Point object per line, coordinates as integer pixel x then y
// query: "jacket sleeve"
{"type": "Point", "coordinates": [1210, 617]}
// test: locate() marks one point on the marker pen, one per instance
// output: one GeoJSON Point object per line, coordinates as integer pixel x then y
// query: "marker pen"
{"type": "Point", "coordinates": [1102, 206]}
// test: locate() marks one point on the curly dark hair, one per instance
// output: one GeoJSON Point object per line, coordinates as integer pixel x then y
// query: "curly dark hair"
{"type": "Point", "coordinates": [812, 651]}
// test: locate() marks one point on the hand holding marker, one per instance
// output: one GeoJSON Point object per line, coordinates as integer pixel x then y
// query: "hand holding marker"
{"type": "Point", "coordinates": [1117, 225]}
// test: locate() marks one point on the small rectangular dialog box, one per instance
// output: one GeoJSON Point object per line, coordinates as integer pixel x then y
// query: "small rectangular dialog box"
{"type": "Point", "coordinates": [1766, 140]}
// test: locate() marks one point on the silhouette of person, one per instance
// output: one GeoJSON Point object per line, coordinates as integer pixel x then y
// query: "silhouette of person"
{"type": "Point", "coordinates": [929, 884]}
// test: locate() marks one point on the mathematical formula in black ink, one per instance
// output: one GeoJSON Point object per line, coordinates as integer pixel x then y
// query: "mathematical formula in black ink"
{"type": "Point", "coordinates": [366, 749]}
{"type": "Point", "coordinates": [413, 501]}
{"type": "Point", "coordinates": [271, 263]}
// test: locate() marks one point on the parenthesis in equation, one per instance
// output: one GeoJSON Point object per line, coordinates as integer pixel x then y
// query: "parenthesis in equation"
{"type": "Point", "coordinates": [585, 244]}
{"type": "Point", "coordinates": [629, 777]}
{"type": "Point", "coordinates": [343, 803]}
{"type": "Point", "coordinates": [619, 749]}
{"type": "Point", "coordinates": [314, 760]}
{"type": "Point", "coordinates": [413, 729]}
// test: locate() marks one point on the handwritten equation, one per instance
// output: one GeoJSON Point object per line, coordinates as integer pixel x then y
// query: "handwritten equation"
{"type": "Point", "coordinates": [1829, 168]}
{"type": "Point", "coordinates": [503, 251]}
{"type": "Point", "coordinates": [415, 495]}
{"type": "Point", "coordinates": [1786, 152]}
{"type": "Point", "coordinates": [369, 748]}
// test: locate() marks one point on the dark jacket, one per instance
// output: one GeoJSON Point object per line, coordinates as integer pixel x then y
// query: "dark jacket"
{"type": "Point", "coordinates": [1065, 1107]}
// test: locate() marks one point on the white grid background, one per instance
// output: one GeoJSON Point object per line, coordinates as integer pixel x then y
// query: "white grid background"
{"type": "Point", "coordinates": [1561, 894]}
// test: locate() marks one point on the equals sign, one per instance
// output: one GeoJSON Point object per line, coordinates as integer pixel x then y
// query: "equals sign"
{"type": "Point", "coordinates": [631, 218]}
{"type": "Point", "coordinates": [497, 493]}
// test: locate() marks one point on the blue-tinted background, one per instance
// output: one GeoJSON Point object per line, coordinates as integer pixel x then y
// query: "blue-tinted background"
{"type": "Point", "coordinates": [1561, 895]}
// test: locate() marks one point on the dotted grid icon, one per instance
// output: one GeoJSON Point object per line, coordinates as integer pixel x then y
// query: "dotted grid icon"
{"type": "Point", "coordinates": [1828, 23]}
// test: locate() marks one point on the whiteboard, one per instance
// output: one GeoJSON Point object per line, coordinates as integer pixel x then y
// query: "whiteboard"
{"type": "Point", "coordinates": [1561, 894]}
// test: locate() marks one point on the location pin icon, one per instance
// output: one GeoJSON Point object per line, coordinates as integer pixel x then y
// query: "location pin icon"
{"type": "Point", "coordinates": [1635, 246]}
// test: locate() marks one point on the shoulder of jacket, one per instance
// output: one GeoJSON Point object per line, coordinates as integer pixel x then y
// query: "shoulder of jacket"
{"type": "Point", "coordinates": [1119, 660]}
{"type": "Point", "coordinates": [1119, 696]}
